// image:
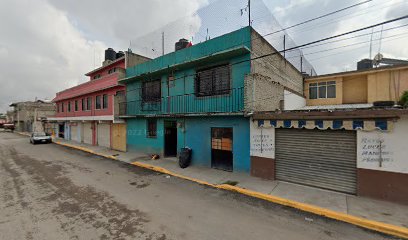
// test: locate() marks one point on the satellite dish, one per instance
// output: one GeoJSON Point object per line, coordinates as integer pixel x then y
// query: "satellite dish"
{"type": "Point", "coordinates": [377, 59]}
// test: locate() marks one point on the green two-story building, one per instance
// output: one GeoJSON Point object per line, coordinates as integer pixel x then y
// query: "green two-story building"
{"type": "Point", "coordinates": [199, 97]}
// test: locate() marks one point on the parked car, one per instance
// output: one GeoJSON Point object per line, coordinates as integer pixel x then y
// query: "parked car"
{"type": "Point", "coordinates": [40, 137]}
{"type": "Point", "coordinates": [9, 126]}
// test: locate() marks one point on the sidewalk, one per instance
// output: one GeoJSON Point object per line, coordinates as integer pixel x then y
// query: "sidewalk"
{"type": "Point", "coordinates": [353, 209]}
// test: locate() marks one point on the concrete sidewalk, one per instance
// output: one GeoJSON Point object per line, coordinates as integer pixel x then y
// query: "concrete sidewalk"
{"type": "Point", "coordinates": [386, 217]}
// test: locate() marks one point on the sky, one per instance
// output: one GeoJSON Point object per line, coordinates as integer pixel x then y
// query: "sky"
{"type": "Point", "coordinates": [48, 45]}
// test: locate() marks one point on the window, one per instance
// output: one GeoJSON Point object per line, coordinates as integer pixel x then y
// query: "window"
{"type": "Point", "coordinates": [112, 70]}
{"type": "Point", "coordinates": [98, 102]}
{"type": "Point", "coordinates": [58, 108]}
{"type": "Point", "coordinates": [69, 106]}
{"type": "Point", "coordinates": [105, 101]}
{"type": "Point", "coordinates": [213, 81]}
{"type": "Point", "coordinates": [89, 103]}
{"type": "Point", "coordinates": [322, 90]}
{"type": "Point", "coordinates": [97, 76]}
{"type": "Point", "coordinates": [151, 127]}
{"type": "Point", "coordinates": [151, 91]}
{"type": "Point", "coordinates": [76, 105]}
{"type": "Point", "coordinates": [83, 104]}
{"type": "Point", "coordinates": [62, 107]}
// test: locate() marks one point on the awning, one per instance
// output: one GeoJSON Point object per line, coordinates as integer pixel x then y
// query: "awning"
{"type": "Point", "coordinates": [365, 125]}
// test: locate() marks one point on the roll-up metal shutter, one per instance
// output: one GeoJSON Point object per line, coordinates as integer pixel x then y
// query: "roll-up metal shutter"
{"type": "Point", "coordinates": [88, 133]}
{"type": "Point", "coordinates": [319, 158]}
{"type": "Point", "coordinates": [103, 135]}
{"type": "Point", "coordinates": [74, 133]}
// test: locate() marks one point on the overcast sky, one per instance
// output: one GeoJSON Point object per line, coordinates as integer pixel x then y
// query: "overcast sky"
{"type": "Point", "coordinates": [48, 45]}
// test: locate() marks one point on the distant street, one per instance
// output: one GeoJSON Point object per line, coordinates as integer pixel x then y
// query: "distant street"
{"type": "Point", "coordinates": [51, 192]}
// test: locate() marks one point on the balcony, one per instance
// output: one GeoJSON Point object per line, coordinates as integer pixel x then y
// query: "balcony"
{"type": "Point", "coordinates": [187, 104]}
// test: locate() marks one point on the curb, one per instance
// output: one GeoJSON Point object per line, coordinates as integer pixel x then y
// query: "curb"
{"type": "Point", "coordinates": [358, 221]}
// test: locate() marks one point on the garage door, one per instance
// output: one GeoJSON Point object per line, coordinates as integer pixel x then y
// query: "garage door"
{"type": "Point", "coordinates": [88, 133]}
{"type": "Point", "coordinates": [74, 133]}
{"type": "Point", "coordinates": [319, 158]}
{"type": "Point", "coordinates": [103, 134]}
{"type": "Point", "coordinates": [119, 137]}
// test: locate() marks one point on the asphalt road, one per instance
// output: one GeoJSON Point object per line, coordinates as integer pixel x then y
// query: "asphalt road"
{"type": "Point", "coordinates": [52, 192]}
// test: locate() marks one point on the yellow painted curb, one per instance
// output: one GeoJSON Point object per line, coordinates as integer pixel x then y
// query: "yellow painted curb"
{"type": "Point", "coordinates": [358, 221]}
{"type": "Point", "coordinates": [365, 223]}
{"type": "Point", "coordinates": [84, 149]}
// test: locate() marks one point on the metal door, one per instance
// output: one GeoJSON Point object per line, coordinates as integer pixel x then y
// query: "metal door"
{"type": "Point", "coordinates": [320, 158]}
{"type": "Point", "coordinates": [221, 148]}
{"type": "Point", "coordinates": [119, 136]}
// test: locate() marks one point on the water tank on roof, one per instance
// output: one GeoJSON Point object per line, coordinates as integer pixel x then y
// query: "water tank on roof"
{"type": "Point", "coordinates": [365, 64]}
{"type": "Point", "coordinates": [120, 54]}
{"type": "Point", "coordinates": [182, 43]}
{"type": "Point", "coordinates": [110, 54]}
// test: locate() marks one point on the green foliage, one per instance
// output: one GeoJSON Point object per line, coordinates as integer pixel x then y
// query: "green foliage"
{"type": "Point", "coordinates": [404, 99]}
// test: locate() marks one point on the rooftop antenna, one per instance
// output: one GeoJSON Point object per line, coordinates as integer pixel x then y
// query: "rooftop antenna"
{"type": "Point", "coordinates": [371, 43]}
{"type": "Point", "coordinates": [379, 46]}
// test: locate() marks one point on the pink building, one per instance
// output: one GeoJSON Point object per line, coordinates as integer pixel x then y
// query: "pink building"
{"type": "Point", "coordinates": [88, 113]}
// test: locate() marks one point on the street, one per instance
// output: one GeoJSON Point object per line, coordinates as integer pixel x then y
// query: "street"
{"type": "Point", "coordinates": [52, 192]}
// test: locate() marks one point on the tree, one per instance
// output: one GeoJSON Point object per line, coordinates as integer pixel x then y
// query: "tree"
{"type": "Point", "coordinates": [404, 99]}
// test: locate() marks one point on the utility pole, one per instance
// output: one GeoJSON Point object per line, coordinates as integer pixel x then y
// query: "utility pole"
{"type": "Point", "coordinates": [249, 13]}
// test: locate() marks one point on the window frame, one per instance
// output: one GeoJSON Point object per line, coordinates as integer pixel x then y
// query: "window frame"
{"type": "Point", "coordinates": [98, 104]}
{"type": "Point", "coordinates": [105, 105]}
{"type": "Point", "coordinates": [321, 89]}
{"type": "Point", "coordinates": [83, 104]}
{"type": "Point", "coordinates": [151, 99]}
{"type": "Point", "coordinates": [151, 122]}
{"type": "Point", "coordinates": [88, 103]}
{"type": "Point", "coordinates": [214, 82]}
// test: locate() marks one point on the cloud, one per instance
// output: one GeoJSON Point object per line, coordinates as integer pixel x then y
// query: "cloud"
{"type": "Point", "coordinates": [48, 45]}
{"type": "Point", "coordinates": [40, 51]}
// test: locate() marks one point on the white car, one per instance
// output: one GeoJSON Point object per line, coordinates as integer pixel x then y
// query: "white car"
{"type": "Point", "coordinates": [40, 137]}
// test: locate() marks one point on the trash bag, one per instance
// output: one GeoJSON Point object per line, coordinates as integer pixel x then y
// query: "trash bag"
{"type": "Point", "coordinates": [185, 157]}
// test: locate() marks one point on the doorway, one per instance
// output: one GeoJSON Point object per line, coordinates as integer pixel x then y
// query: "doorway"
{"type": "Point", "coordinates": [61, 129]}
{"type": "Point", "coordinates": [170, 138]}
{"type": "Point", "coordinates": [221, 149]}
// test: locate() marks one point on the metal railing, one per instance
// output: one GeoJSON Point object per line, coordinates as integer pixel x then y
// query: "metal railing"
{"type": "Point", "coordinates": [230, 101]}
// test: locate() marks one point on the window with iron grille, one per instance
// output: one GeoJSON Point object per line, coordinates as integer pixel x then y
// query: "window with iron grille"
{"type": "Point", "coordinates": [213, 81]}
{"type": "Point", "coordinates": [152, 128]}
{"type": "Point", "coordinates": [151, 91]}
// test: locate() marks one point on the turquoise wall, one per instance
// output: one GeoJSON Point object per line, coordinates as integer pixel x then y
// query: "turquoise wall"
{"type": "Point", "coordinates": [137, 139]}
{"type": "Point", "coordinates": [196, 134]}
{"type": "Point", "coordinates": [231, 40]}
{"type": "Point", "coordinates": [198, 138]}
{"type": "Point", "coordinates": [181, 91]}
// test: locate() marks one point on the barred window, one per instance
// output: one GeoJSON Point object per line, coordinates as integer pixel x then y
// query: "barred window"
{"type": "Point", "coordinates": [213, 81]}
{"type": "Point", "coordinates": [152, 128]}
{"type": "Point", "coordinates": [151, 91]}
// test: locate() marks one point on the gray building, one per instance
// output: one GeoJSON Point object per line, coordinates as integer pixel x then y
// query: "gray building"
{"type": "Point", "coordinates": [30, 116]}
